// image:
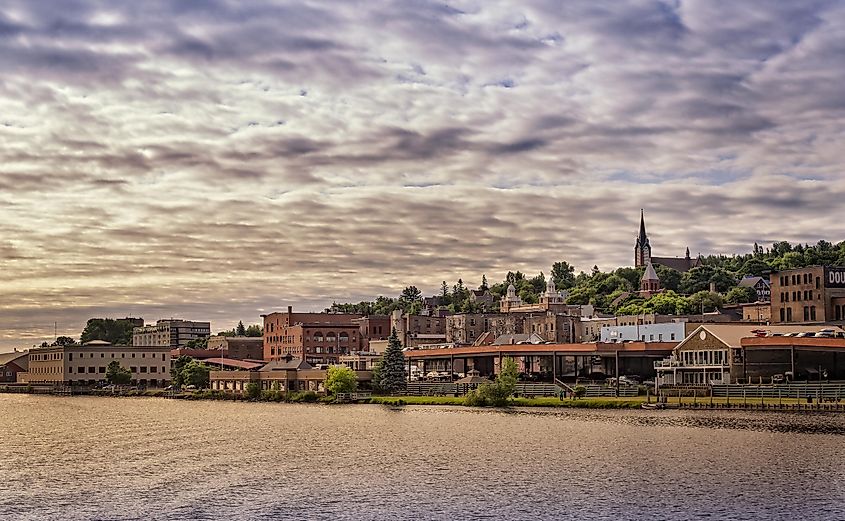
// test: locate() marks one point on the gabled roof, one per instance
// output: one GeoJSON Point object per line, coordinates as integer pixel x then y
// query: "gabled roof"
{"type": "Point", "coordinates": [677, 263]}
{"type": "Point", "coordinates": [750, 282]}
{"type": "Point", "coordinates": [5, 358]}
{"type": "Point", "coordinates": [731, 334]}
{"type": "Point", "coordinates": [231, 362]}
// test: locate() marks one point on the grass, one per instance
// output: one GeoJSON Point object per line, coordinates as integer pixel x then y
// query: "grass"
{"type": "Point", "coordinates": [583, 403]}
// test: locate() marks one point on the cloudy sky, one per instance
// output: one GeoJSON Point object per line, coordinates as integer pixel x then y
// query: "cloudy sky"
{"type": "Point", "coordinates": [221, 159]}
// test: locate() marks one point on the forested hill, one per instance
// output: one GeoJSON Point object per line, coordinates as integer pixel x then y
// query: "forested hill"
{"type": "Point", "coordinates": [613, 291]}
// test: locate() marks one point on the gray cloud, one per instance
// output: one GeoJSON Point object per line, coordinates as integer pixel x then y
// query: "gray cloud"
{"type": "Point", "coordinates": [219, 160]}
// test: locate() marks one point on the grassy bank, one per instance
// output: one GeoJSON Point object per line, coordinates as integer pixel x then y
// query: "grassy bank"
{"type": "Point", "coordinates": [584, 403]}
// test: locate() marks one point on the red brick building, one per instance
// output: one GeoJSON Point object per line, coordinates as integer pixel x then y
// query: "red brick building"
{"type": "Point", "coordinates": [317, 338]}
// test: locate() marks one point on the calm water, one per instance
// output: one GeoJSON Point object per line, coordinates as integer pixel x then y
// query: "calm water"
{"type": "Point", "coordinates": [113, 458]}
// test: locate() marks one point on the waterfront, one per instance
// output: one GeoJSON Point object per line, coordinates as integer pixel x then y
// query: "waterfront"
{"type": "Point", "coordinates": [120, 458]}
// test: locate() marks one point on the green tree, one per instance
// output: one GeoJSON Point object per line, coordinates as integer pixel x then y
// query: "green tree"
{"type": "Point", "coordinates": [392, 370]}
{"type": "Point", "coordinates": [754, 267]}
{"type": "Point", "coordinates": [498, 393]}
{"type": "Point", "coordinates": [199, 343]}
{"type": "Point", "coordinates": [670, 279]}
{"type": "Point", "coordinates": [411, 294]}
{"type": "Point", "coordinates": [341, 379]}
{"type": "Point", "coordinates": [116, 332]}
{"type": "Point", "coordinates": [241, 329]}
{"type": "Point", "coordinates": [705, 301]}
{"type": "Point", "coordinates": [741, 295]}
{"type": "Point", "coordinates": [196, 373]}
{"type": "Point", "coordinates": [563, 274]}
{"type": "Point", "coordinates": [254, 330]}
{"type": "Point", "coordinates": [176, 370]}
{"type": "Point", "coordinates": [117, 375]}
{"type": "Point", "coordinates": [64, 341]}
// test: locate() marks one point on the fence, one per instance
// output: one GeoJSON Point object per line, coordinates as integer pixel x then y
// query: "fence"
{"type": "Point", "coordinates": [815, 391]}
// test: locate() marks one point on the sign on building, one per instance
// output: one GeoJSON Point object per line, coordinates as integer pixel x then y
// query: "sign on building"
{"type": "Point", "coordinates": [834, 277]}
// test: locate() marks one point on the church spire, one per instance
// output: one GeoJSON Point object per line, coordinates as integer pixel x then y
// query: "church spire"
{"type": "Point", "coordinates": [643, 238]}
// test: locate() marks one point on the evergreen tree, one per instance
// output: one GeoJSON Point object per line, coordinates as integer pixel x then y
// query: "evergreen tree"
{"type": "Point", "coordinates": [392, 370]}
{"type": "Point", "coordinates": [241, 330]}
{"type": "Point", "coordinates": [484, 286]}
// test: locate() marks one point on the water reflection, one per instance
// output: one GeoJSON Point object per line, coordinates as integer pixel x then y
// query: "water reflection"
{"type": "Point", "coordinates": [99, 458]}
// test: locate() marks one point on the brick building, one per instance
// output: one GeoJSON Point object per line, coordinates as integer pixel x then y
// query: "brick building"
{"type": "Point", "coordinates": [372, 328]}
{"type": "Point", "coordinates": [317, 338]}
{"type": "Point", "coordinates": [465, 328]}
{"type": "Point", "coordinates": [238, 347]}
{"type": "Point", "coordinates": [813, 294]}
{"type": "Point", "coordinates": [414, 330]}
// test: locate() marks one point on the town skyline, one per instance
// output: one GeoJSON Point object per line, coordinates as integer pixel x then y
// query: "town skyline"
{"type": "Point", "coordinates": [220, 162]}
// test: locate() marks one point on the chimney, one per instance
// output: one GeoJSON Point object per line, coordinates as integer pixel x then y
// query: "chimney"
{"type": "Point", "coordinates": [290, 310]}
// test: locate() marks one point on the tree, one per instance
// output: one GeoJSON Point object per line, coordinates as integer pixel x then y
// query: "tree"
{"type": "Point", "coordinates": [198, 343]}
{"type": "Point", "coordinates": [117, 375]}
{"type": "Point", "coordinates": [176, 370]}
{"type": "Point", "coordinates": [498, 392]}
{"type": "Point", "coordinates": [116, 332]}
{"type": "Point", "coordinates": [741, 295]}
{"type": "Point", "coordinates": [669, 278]}
{"type": "Point", "coordinates": [563, 274]}
{"type": "Point", "coordinates": [341, 379]}
{"type": "Point", "coordinates": [254, 330]}
{"type": "Point", "coordinates": [240, 330]}
{"type": "Point", "coordinates": [64, 341]}
{"type": "Point", "coordinates": [484, 286]}
{"type": "Point", "coordinates": [392, 370]}
{"type": "Point", "coordinates": [411, 294]}
{"type": "Point", "coordinates": [705, 301]}
{"type": "Point", "coordinates": [196, 373]}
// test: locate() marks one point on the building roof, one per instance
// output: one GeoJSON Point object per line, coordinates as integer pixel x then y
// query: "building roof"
{"type": "Point", "coordinates": [6, 358]}
{"type": "Point", "coordinates": [231, 362]}
{"type": "Point", "coordinates": [629, 348]}
{"type": "Point", "coordinates": [750, 282]}
{"type": "Point", "coordinates": [650, 274]}
{"type": "Point", "coordinates": [286, 365]}
{"type": "Point", "coordinates": [681, 264]}
{"type": "Point", "coordinates": [532, 338]}
{"type": "Point", "coordinates": [733, 333]}
{"type": "Point", "coordinates": [97, 343]}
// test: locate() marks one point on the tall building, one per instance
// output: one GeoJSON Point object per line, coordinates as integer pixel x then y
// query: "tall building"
{"type": "Point", "coordinates": [811, 294]}
{"type": "Point", "coordinates": [317, 338]}
{"type": "Point", "coordinates": [642, 253]}
{"type": "Point", "coordinates": [171, 332]}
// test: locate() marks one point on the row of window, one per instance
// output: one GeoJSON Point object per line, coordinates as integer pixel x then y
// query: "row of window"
{"type": "Point", "coordinates": [708, 357]}
{"type": "Point", "coordinates": [102, 369]}
{"type": "Point", "coordinates": [809, 314]}
{"type": "Point", "coordinates": [318, 349]}
{"type": "Point", "coordinates": [798, 296]}
{"type": "Point", "coordinates": [799, 278]}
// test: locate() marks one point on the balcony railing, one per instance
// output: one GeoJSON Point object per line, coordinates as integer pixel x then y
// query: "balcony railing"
{"type": "Point", "coordinates": [669, 363]}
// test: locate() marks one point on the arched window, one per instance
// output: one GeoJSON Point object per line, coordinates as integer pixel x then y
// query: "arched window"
{"type": "Point", "coordinates": [344, 337]}
{"type": "Point", "coordinates": [318, 336]}
{"type": "Point", "coordinates": [331, 337]}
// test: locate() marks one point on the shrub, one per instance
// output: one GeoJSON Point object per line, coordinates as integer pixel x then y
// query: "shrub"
{"type": "Point", "coordinates": [252, 391]}
{"type": "Point", "coordinates": [475, 399]}
{"type": "Point", "coordinates": [579, 391]}
{"type": "Point", "coordinates": [303, 397]}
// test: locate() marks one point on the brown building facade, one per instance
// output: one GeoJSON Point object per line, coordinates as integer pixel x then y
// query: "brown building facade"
{"type": "Point", "coordinates": [815, 294]}
{"type": "Point", "coordinates": [238, 347]}
{"type": "Point", "coordinates": [317, 338]}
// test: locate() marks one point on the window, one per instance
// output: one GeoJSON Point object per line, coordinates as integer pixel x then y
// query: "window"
{"type": "Point", "coordinates": [92, 369]}
{"type": "Point", "coordinates": [789, 314]}
{"type": "Point", "coordinates": [782, 319]}
{"type": "Point", "coordinates": [101, 370]}
{"type": "Point", "coordinates": [806, 313]}
{"type": "Point", "coordinates": [812, 312]}
{"type": "Point", "coordinates": [70, 357]}
{"type": "Point", "coordinates": [102, 355]}
{"type": "Point", "coordinates": [817, 282]}
{"type": "Point", "coordinates": [153, 369]}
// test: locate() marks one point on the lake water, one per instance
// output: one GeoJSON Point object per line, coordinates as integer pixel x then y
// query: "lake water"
{"type": "Point", "coordinates": [131, 458]}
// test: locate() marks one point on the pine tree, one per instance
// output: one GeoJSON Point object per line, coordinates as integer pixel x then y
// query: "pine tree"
{"type": "Point", "coordinates": [241, 331]}
{"type": "Point", "coordinates": [484, 286]}
{"type": "Point", "coordinates": [392, 370]}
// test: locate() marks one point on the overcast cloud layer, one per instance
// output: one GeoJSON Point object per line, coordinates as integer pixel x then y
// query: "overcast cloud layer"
{"type": "Point", "coordinates": [218, 160]}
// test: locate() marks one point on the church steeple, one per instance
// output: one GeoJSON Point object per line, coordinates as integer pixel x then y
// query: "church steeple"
{"type": "Point", "coordinates": [642, 250]}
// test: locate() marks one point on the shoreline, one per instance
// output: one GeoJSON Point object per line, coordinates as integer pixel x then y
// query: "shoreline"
{"type": "Point", "coordinates": [631, 403]}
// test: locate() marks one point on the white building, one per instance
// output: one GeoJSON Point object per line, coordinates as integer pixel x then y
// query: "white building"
{"type": "Point", "coordinates": [665, 332]}
{"type": "Point", "coordinates": [173, 333]}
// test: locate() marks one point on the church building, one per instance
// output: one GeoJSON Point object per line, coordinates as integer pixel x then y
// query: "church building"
{"type": "Point", "coordinates": [643, 256]}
